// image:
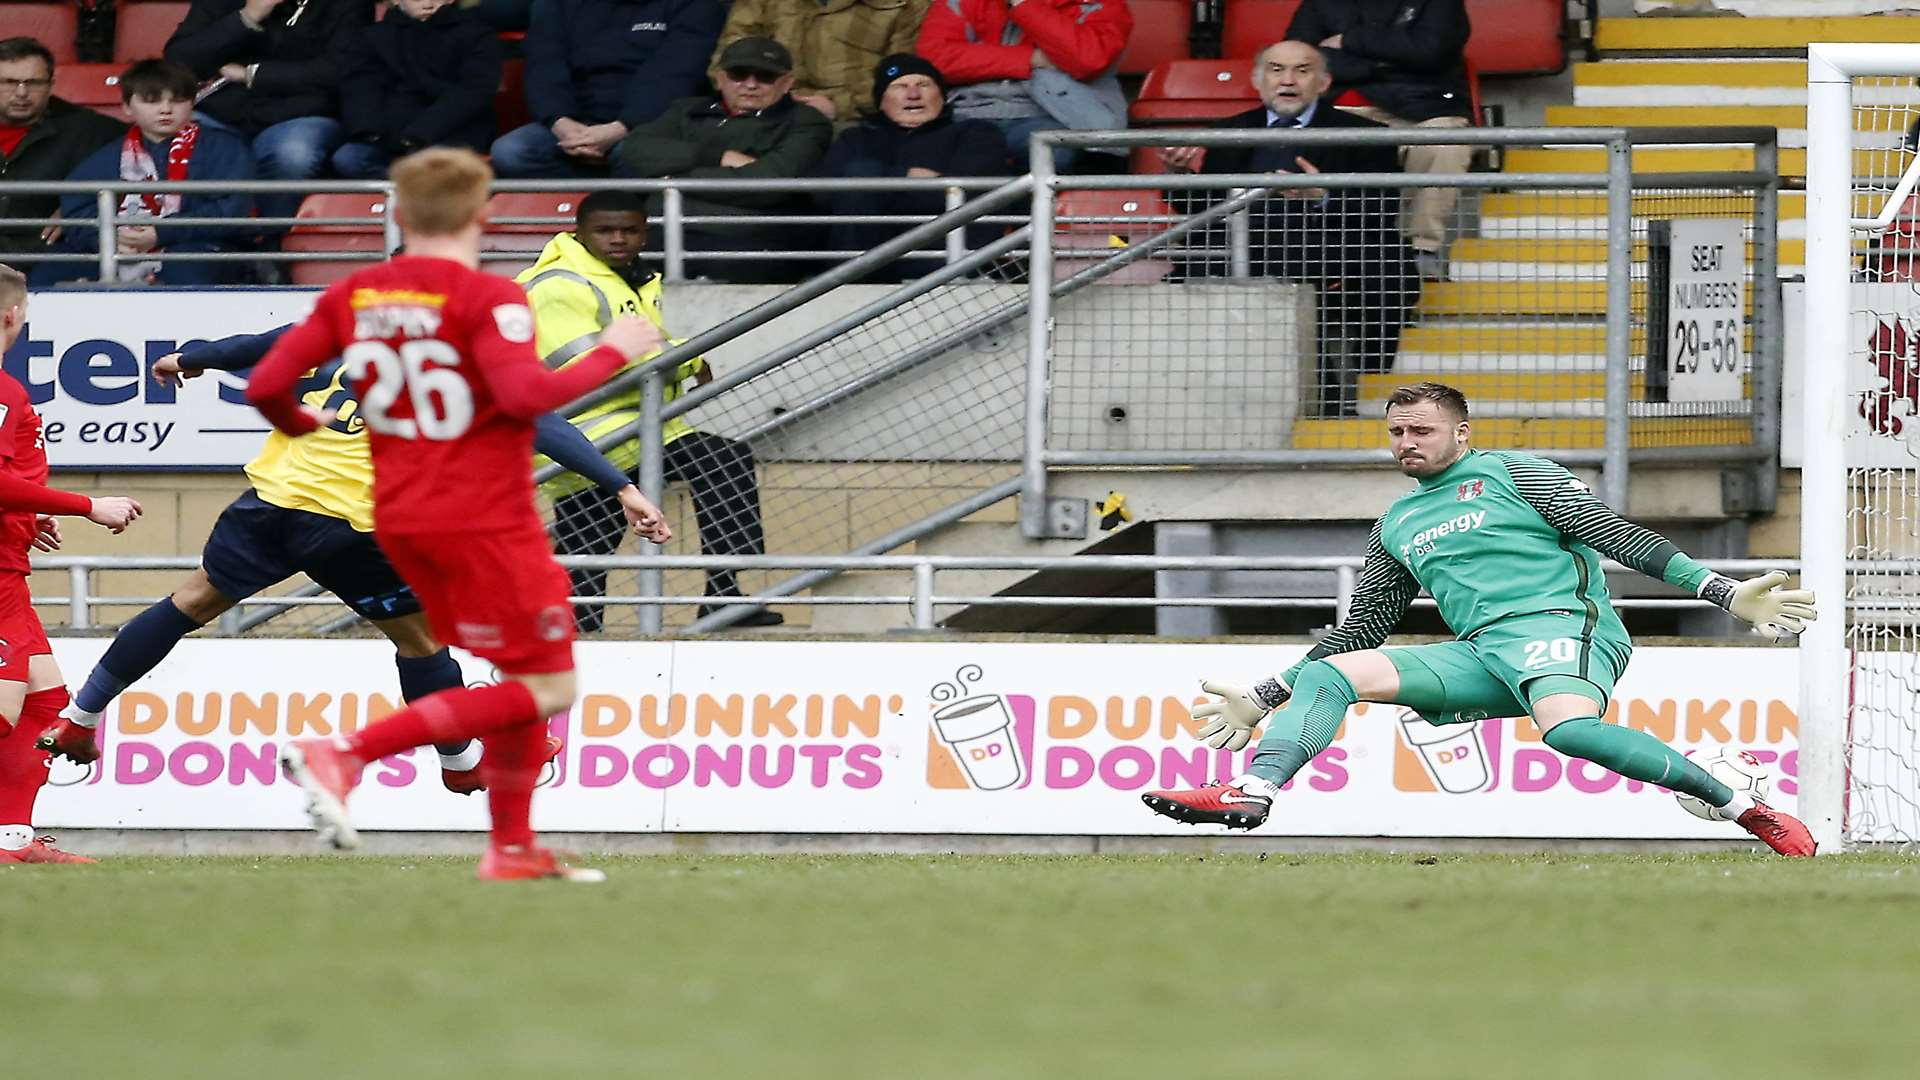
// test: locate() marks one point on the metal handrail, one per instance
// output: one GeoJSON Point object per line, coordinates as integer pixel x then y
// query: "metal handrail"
{"type": "Point", "coordinates": [923, 598]}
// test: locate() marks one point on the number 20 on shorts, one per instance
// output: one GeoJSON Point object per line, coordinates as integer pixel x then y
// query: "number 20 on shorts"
{"type": "Point", "coordinates": [1555, 651]}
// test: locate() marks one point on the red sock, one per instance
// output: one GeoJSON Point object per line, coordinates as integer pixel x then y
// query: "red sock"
{"type": "Point", "coordinates": [510, 764]}
{"type": "Point", "coordinates": [446, 717]}
{"type": "Point", "coordinates": [23, 769]}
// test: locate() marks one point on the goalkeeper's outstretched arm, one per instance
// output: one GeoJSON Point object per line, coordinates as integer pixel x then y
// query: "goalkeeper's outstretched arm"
{"type": "Point", "coordinates": [1382, 595]}
{"type": "Point", "coordinates": [1570, 506]}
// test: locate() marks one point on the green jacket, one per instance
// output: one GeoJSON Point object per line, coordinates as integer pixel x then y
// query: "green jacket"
{"type": "Point", "coordinates": [787, 139]}
{"type": "Point", "coordinates": [574, 296]}
{"type": "Point", "coordinates": [835, 43]}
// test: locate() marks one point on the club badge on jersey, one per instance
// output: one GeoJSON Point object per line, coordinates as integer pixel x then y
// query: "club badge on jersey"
{"type": "Point", "coordinates": [1471, 489]}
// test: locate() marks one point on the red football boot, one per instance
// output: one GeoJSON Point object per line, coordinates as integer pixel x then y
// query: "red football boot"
{"type": "Point", "coordinates": [71, 741]}
{"type": "Point", "coordinates": [467, 781]}
{"type": "Point", "coordinates": [43, 851]}
{"type": "Point", "coordinates": [1217, 804]}
{"type": "Point", "coordinates": [328, 774]}
{"type": "Point", "coordinates": [531, 862]}
{"type": "Point", "coordinates": [1783, 833]}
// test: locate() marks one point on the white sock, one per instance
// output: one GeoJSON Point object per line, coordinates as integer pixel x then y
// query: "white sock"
{"type": "Point", "coordinates": [1740, 804]}
{"type": "Point", "coordinates": [464, 760]}
{"type": "Point", "coordinates": [81, 716]}
{"type": "Point", "coordinates": [1253, 785]}
{"type": "Point", "coordinates": [15, 837]}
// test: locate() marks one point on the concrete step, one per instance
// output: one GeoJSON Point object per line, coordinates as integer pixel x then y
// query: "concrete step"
{"type": "Point", "coordinates": [1723, 82]}
{"type": "Point", "coordinates": [1792, 162]}
{"type": "Point", "coordinates": [1872, 127]}
{"type": "Point", "coordinates": [1720, 35]}
{"type": "Point", "coordinates": [1509, 259]}
{"type": "Point", "coordinates": [1490, 386]}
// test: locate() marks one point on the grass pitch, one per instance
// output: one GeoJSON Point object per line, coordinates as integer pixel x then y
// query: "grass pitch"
{"type": "Point", "coordinates": [965, 966]}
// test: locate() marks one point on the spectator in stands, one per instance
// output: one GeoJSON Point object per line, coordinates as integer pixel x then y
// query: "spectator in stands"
{"type": "Point", "coordinates": [425, 76]}
{"type": "Point", "coordinates": [751, 130]}
{"type": "Point", "coordinates": [582, 280]}
{"type": "Point", "coordinates": [1345, 242]}
{"type": "Point", "coordinates": [164, 143]}
{"type": "Point", "coordinates": [1031, 65]}
{"type": "Point", "coordinates": [913, 134]}
{"type": "Point", "coordinates": [597, 69]}
{"type": "Point", "coordinates": [1402, 64]}
{"type": "Point", "coordinates": [835, 45]}
{"type": "Point", "coordinates": [271, 71]}
{"type": "Point", "coordinates": [41, 138]}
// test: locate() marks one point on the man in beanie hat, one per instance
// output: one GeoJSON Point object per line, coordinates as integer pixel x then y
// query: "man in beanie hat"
{"type": "Point", "coordinates": [835, 45]}
{"type": "Point", "coordinates": [911, 135]}
{"type": "Point", "coordinates": [752, 129]}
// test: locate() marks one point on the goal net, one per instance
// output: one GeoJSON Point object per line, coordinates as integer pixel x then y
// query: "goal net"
{"type": "Point", "coordinates": [1859, 764]}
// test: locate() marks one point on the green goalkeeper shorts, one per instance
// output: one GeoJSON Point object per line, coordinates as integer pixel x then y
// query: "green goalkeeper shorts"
{"type": "Point", "coordinates": [1501, 669]}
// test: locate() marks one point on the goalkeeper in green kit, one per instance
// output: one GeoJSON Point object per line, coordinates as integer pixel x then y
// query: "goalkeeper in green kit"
{"type": "Point", "coordinates": [1509, 546]}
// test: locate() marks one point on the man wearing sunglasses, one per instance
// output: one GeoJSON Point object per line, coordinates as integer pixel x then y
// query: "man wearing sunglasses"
{"type": "Point", "coordinates": [752, 129]}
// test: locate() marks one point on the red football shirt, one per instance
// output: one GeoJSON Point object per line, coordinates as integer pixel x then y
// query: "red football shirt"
{"type": "Point", "coordinates": [24, 447]}
{"type": "Point", "coordinates": [441, 357]}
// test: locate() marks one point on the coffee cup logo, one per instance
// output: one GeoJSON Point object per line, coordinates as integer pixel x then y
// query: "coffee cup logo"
{"type": "Point", "coordinates": [978, 732]}
{"type": "Point", "coordinates": [1453, 754]}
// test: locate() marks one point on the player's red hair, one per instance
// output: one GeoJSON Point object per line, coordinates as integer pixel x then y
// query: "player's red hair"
{"type": "Point", "coordinates": [440, 191]}
{"type": "Point", "coordinates": [13, 288]}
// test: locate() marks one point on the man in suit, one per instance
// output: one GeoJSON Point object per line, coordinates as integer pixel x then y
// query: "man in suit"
{"type": "Point", "coordinates": [1345, 242]}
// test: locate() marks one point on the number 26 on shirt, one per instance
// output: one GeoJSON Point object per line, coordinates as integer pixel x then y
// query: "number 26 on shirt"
{"type": "Point", "coordinates": [442, 402]}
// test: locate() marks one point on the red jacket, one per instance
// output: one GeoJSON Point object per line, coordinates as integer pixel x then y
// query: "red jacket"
{"type": "Point", "coordinates": [1083, 37]}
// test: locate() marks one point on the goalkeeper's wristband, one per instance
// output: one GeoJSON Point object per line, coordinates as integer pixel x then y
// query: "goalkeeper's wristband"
{"type": "Point", "coordinates": [1718, 591]}
{"type": "Point", "coordinates": [1270, 693]}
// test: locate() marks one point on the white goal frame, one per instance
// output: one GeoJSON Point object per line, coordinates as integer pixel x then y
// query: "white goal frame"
{"type": "Point", "coordinates": [1825, 672]}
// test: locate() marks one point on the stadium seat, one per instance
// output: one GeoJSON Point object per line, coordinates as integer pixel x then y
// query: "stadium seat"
{"type": "Point", "coordinates": [52, 24]}
{"type": "Point", "coordinates": [1251, 25]}
{"type": "Point", "coordinates": [93, 86]}
{"type": "Point", "coordinates": [525, 237]}
{"type": "Point", "coordinates": [1510, 37]}
{"type": "Point", "coordinates": [1121, 217]}
{"type": "Point", "coordinates": [1517, 37]}
{"type": "Point", "coordinates": [1160, 33]}
{"type": "Point", "coordinates": [510, 101]}
{"type": "Point", "coordinates": [366, 233]}
{"type": "Point", "coordinates": [1193, 92]}
{"type": "Point", "coordinates": [142, 29]}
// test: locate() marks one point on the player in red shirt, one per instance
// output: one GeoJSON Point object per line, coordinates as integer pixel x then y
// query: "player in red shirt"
{"type": "Point", "coordinates": [442, 359]}
{"type": "Point", "coordinates": [32, 691]}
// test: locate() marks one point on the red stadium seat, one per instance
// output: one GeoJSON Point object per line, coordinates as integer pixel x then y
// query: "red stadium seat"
{"type": "Point", "coordinates": [1251, 25]}
{"type": "Point", "coordinates": [1517, 37]}
{"type": "Point", "coordinates": [142, 29]}
{"type": "Point", "coordinates": [1160, 32]}
{"type": "Point", "coordinates": [1194, 92]}
{"type": "Point", "coordinates": [366, 233]}
{"type": "Point", "coordinates": [93, 86]}
{"type": "Point", "coordinates": [51, 24]}
{"type": "Point", "coordinates": [525, 237]}
{"type": "Point", "coordinates": [510, 101]}
{"type": "Point", "coordinates": [1122, 215]}
{"type": "Point", "coordinates": [1510, 37]}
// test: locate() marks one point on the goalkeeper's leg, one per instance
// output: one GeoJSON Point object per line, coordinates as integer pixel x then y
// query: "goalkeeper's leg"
{"type": "Point", "coordinates": [1565, 710]}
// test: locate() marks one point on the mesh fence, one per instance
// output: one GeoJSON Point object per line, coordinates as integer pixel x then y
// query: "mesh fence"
{"type": "Point", "coordinates": [1883, 476]}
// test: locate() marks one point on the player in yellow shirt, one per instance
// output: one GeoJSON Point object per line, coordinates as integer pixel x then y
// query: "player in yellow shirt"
{"type": "Point", "coordinates": [310, 511]}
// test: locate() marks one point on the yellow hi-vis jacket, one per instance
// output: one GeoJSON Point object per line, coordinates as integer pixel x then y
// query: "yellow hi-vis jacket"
{"type": "Point", "coordinates": [574, 296]}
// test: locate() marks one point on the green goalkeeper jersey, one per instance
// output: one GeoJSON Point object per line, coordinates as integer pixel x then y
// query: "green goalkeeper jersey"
{"type": "Point", "coordinates": [1497, 535]}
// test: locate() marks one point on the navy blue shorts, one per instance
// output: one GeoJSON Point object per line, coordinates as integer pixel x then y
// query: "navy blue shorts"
{"type": "Point", "coordinates": [256, 545]}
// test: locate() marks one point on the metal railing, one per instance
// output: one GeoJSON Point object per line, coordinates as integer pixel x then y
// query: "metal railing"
{"type": "Point", "coordinates": [1620, 316]}
{"type": "Point", "coordinates": [920, 602]}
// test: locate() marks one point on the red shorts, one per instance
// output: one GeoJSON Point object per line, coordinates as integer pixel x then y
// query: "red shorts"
{"type": "Point", "coordinates": [21, 636]}
{"type": "Point", "coordinates": [498, 595]}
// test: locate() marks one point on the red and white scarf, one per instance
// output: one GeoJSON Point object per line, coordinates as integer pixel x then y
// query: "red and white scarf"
{"type": "Point", "coordinates": [137, 164]}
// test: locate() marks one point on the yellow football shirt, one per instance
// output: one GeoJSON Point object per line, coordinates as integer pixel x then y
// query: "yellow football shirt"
{"type": "Point", "coordinates": [329, 471]}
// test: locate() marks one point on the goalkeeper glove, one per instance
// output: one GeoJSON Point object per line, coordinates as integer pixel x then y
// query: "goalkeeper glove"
{"type": "Point", "coordinates": [1761, 602]}
{"type": "Point", "coordinates": [1232, 719]}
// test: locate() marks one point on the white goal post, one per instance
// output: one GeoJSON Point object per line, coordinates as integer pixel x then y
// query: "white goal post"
{"type": "Point", "coordinates": [1859, 758]}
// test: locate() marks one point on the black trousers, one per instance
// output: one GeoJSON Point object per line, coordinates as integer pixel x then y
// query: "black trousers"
{"type": "Point", "coordinates": [718, 472]}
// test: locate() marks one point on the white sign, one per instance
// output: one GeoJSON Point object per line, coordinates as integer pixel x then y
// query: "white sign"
{"type": "Point", "coordinates": [1706, 313]}
{"type": "Point", "coordinates": [86, 359]}
{"type": "Point", "coordinates": [1880, 420]}
{"type": "Point", "coordinates": [907, 737]}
